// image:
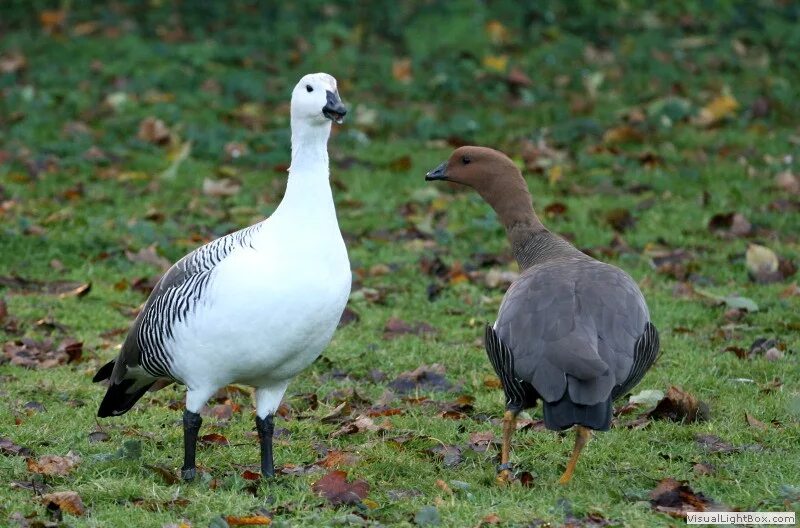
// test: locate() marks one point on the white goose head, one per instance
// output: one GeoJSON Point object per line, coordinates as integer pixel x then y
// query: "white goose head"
{"type": "Point", "coordinates": [315, 100]}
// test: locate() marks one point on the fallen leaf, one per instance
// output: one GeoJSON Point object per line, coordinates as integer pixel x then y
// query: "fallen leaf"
{"type": "Point", "coordinates": [396, 327]}
{"type": "Point", "coordinates": [349, 316]}
{"type": "Point", "coordinates": [67, 501]}
{"type": "Point", "coordinates": [255, 520]}
{"type": "Point", "coordinates": [153, 130]}
{"type": "Point", "coordinates": [221, 187]}
{"type": "Point", "coordinates": [497, 63]}
{"type": "Point", "coordinates": [12, 62]}
{"type": "Point", "coordinates": [423, 378]}
{"type": "Point", "coordinates": [53, 464]}
{"type": "Point", "coordinates": [676, 498]}
{"type": "Point", "coordinates": [787, 182]}
{"type": "Point", "coordinates": [19, 284]}
{"type": "Point", "coordinates": [730, 225]}
{"type": "Point", "coordinates": [9, 448]}
{"type": "Point", "coordinates": [449, 455]}
{"type": "Point", "coordinates": [555, 209]}
{"type": "Point", "coordinates": [214, 438]}
{"type": "Point", "coordinates": [704, 468]}
{"type": "Point", "coordinates": [718, 109]}
{"type": "Point", "coordinates": [401, 70]}
{"type": "Point", "coordinates": [165, 473]}
{"type": "Point", "coordinates": [491, 519]}
{"type": "Point", "coordinates": [148, 255]}
{"type": "Point", "coordinates": [762, 264]}
{"type": "Point", "coordinates": [499, 278]}
{"type": "Point", "coordinates": [715, 444]}
{"type": "Point", "coordinates": [31, 353]}
{"type": "Point", "coordinates": [753, 422]}
{"type": "Point", "coordinates": [648, 398]}
{"type": "Point", "coordinates": [336, 458]}
{"type": "Point", "coordinates": [52, 20]}
{"type": "Point", "coordinates": [335, 488]}
{"type": "Point", "coordinates": [620, 219]}
{"type": "Point", "coordinates": [679, 406]}
{"type": "Point", "coordinates": [359, 425]}
{"type": "Point", "coordinates": [622, 134]}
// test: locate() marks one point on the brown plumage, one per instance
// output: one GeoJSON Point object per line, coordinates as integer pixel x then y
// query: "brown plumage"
{"type": "Point", "coordinates": [572, 331]}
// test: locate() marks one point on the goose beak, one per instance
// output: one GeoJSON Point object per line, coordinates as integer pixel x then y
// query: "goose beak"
{"type": "Point", "coordinates": [439, 173]}
{"type": "Point", "coordinates": [334, 109]}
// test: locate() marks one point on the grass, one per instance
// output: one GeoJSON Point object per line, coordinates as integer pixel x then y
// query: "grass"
{"type": "Point", "coordinates": [86, 211]}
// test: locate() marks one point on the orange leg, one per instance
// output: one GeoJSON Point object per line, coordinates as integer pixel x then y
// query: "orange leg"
{"type": "Point", "coordinates": [509, 426]}
{"type": "Point", "coordinates": [582, 436]}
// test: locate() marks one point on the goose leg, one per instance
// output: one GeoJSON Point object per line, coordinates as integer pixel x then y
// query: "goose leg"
{"type": "Point", "coordinates": [582, 436]}
{"type": "Point", "coordinates": [509, 426]}
{"type": "Point", "coordinates": [265, 429]}
{"type": "Point", "coordinates": [267, 401]}
{"type": "Point", "coordinates": [191, 425]}
{"type": "Point", "coordinates": [195, 399]}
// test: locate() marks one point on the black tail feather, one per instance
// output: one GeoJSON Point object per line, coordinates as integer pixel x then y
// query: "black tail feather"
{"type": "Point", "coordinates": [105, 372]}
{"type": "Point", "coordinates": [117, 400]}
{"type": "Point", "coordinates": [565, 413]}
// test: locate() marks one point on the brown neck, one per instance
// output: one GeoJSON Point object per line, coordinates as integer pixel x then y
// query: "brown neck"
{"type": "Point", "coordinates": [530, 241]}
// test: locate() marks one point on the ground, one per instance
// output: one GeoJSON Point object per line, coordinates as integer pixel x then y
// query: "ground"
{"type": "Point", "coordinates": [663, 140]}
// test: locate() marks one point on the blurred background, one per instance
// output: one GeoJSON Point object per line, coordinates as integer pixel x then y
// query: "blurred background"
{"type": "Point", "coordinates": [663, 137]}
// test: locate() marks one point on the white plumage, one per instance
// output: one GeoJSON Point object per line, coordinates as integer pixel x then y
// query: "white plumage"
{"type": "Point", "coordinates": [255, 307]}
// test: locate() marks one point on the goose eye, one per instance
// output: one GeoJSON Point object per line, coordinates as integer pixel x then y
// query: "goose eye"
{"type": "Point", "coordinates": [465, 160]}
{"type": "Point", "coordinates": [309, 89]}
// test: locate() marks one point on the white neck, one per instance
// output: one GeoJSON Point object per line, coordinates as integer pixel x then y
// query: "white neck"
{"type": "Point", "coordinates": [308, 191]}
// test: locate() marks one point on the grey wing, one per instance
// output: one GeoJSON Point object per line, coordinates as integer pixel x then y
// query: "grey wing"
{"type": "Point", "coordinates": [573, 328]}
{"type": "Point", "coordinates": [519, 394]}
{"type": "Point", "coordinates": [645, 354]}
{"type": "Point", "coordinates": [173, 298]}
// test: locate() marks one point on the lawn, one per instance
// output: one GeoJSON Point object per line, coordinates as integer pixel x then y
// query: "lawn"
{"type": "Point", "coordinates": [664, 140]}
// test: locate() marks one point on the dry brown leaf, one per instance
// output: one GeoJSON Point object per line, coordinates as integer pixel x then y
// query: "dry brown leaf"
{"type": "Point", "coordinates": [68, 501]}
{"type": "Point", "coordinates": [214, 438]}
{"type": "Point", "coordinates": [754, 422]}
{"type": "Point", "coordinates": [31, 353]}
{"type": "Point", "coordinates": [221, 187]}
{"type": "Point", "coordinates": [148, 255]}
{"type": "Point", "coordinates": [675, 498]}
{"type": "Point", "coordinates": [401, 70]}
{"type": "Point", "coordinates": [52, 20]}
{"type": "Point", "coordinates": [336, 458]}
{"type": "Point", "coordinates": [396, 327]}
{"type": "Point", "coordinates": [335, 488]}
{"type": "Point", "coordinates": [12, 62]}
{"type": "Point", "coordinates": [153, 130]}
{"type": "Point", "coordinates": [8, 447]}
{"type": "Point", "coordinates": [679, 406]}
{"type": "Point", "coordinates": [53, 464]}
{"type": "Point", "coordinates": [787, 182]}
{"type": "Point", "coordinates": [730, 225]}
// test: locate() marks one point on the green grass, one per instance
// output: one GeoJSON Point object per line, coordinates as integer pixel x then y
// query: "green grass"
{"type": "Point", "coordinates": [84, 213]}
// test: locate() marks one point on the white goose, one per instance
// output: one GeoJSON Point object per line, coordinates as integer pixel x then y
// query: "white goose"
{"type": "Point", "coordinates": [254, 307]}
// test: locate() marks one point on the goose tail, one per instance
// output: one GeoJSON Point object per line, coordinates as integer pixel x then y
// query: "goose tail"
{"type": "Point", "coordinates": [565, 413]}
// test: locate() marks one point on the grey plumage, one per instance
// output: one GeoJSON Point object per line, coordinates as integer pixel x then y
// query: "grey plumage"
{"type": "Point", "coordinates": [571, 331]}
{"type": "Point", "coordinates": [575, 327]}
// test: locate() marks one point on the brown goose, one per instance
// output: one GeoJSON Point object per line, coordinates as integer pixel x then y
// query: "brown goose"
{"type": "Point", "coordinates": [572, 331]}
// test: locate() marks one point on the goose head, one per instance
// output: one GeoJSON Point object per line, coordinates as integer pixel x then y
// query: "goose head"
{"type": "Point", "coordinates": [315, 100]}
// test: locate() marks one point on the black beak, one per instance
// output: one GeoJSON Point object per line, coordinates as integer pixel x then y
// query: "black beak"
{"type": "Point", "coordinates": [439, 173]}
{"type": "Point", "coordinates": [334, 109]}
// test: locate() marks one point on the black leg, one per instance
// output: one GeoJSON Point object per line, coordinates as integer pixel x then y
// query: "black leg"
{"type": "Point", "coordinates": [191, 425]}
{"type": "Point", "coordinates": [265, 429]}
